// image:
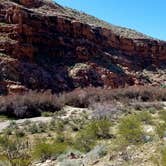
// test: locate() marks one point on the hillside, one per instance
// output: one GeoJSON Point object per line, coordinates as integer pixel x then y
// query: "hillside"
{"type": "Point", "coordinates": [46, 46]}
{"type": "Point", "coordinates": [78, 91]}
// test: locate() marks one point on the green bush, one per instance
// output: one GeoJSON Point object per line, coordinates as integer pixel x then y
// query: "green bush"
{"type": "Point", "coordinates": [99, 129]}
{"type": "Point", "coordinates": [43, 151]}
{"type": "Point", "coordinates": [14, 151]}
{"type": "Point", "coordinates": [130, 129]}
{"type": "Point", "coordinates": [42, 127]}
{"type": "Point", "coordinates": [84, 141]}
{"type": "Point", "coordinates": [87, 137]}
{"type": "Point", "coordinates": [33, 128]}
{"type": "Point", "coordinates": [163, 157]}
{"type": "Point", "coordinates": [57, 125]}
{"type": "Point", "coordinates": [162, 115]}
{"type": "Point", "coordinates": [145, 117]}
{"type": "Point", "coordinates": [161, 129]}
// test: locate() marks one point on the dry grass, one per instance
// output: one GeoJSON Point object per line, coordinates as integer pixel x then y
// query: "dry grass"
{"type": "Point", "coordinates": [30, 104]}
{"type": "Point", "coordinates": [34, 103]}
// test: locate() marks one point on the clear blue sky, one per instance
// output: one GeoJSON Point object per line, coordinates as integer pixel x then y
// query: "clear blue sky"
{"type": "Point", "coordinates": [147, 16]}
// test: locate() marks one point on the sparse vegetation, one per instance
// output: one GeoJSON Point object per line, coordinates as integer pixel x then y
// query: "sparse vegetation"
{"type": "Point", "coordinates": [43, 151]}
{"type": "Point", "coordinates": [163, 157]}
{"type": "Point", "coordinates": [145, 117]}
{"type": "Point", "coordinates": [162, 115]}
{"type": "Point", "coordinates": [14, 151]}
{"type": "Point", "coordinates": [85, 18]}
{"type": "Point", "coordinates": [113, 118]}
{"type": "Point", "coordinates": [130, 129]}
{"type": "Point", "coordinates": [29, 105]}
{"type": "Point", "coordinates": [86, 138]}
{"type": "Point", "coordinates": [35, 103]}
{"type": "Point", "coordinates": [161, 129]}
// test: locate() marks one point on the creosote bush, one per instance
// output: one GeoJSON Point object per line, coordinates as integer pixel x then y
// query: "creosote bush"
{"type": "Point", "coordinates": [161, 129]}
{"type": "Point", "coordinates": [163, 156]}
{"type": "Point", "coordinates": [87, 137]}
{"type": "Point", "coordinates": [43, 151]}
{"type": "Point", "coordinates": [99, 128]}
{"type": "Point", "coordinates": [145, 117]}
{"type": "Point", "coordinates": [162, 115]}
{"type": "Point", "coordinates": [130, 129]}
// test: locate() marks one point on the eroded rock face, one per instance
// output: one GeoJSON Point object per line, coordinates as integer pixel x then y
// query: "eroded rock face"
{"type": "Point", "coordinates": [43, 47]}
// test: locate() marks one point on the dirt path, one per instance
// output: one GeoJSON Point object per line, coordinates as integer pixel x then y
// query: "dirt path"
{"type": "Point", "coordinates": [67, 113]}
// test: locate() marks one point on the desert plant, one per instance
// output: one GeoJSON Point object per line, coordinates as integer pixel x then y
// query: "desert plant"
{"type": "Point", "coordinates": [33, 128]}
{"type": "Point", "coordinates": [86, 138]}
{"type": "Point", "coordinates": [30, 104]}
{"type": "Point", "coordinates": [34, 103]}
{"type": "Point", "coordinates": [15, 151]}
{"type": "Point", "coordinates": [99, 128]}
{"type": "Point", "coordinates": [161, 129]}
{"type": "Point", "coordinates": [84, 142]}
{"type": "Point", "coordinates": [57, 125]}
{"type": "Point", "coordinates": [130, 129]}
{"type": "Point", "coordinates": [43, 151]}
{"type": "Point", "coordinates": [162, 115]}
{"type": "Point", "coordinates": [105, 110]}
{"type": "Point", "coordinates": [163, 156]}
{"type": "Point", "coordinates": [145, 117]}
{"type": "Point", "coordinates": [19, 133]}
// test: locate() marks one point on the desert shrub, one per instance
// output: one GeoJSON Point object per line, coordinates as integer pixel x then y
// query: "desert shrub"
{"type": "Point", "coordinates": [77, 124]}
{"type": "Point", "coordinates": [86, 138]}
{"type": "Point", "coordinates": [161, 129]}
{"type": "Point", "coordinates": [163, 86]}
{"type": "Point", "coordinates": [27, 123]}
{"type": "Point", "coordinates": [43, 151]}
{"type": "Point", "coordinates": [57, 125]}
{"type": "Point", "coordinates": [99, 129]}
{"type": "Point", "coordinates": [145, 117]}
{"type": "Point", "coordinates": [152, 110]}
{"type": "Point", "coordinates": [14, 151]}
{"type": "Point", "coordinates": [79, 97]}
{"type": "Point", "coordinates": [42, 127]}
{"type": "Point", "coordinates": [95, 154]}
{"type": "Point", "coordinates": [84, 142]}
{"type": "Point", "coordinates": [85, 97]}
{"type": "Point", "coordinates": [34, 103]}
{"type": "Point", "coordinates": [8, 131]}
{"type": "Point", "coordinates": [60, 137]}
{"type": "Point", "coordinates": [19, 133]}
{"type": "Point", "coordinates": [30, 104]}
{"type": "Point", "coordinates": [105, 110]}
{"type": "Point", "coordinates": [33, 128]}
{"type": "Point", "coordinates": [69, 152]}
{"type": "Point", "coordinates": [64, 138]}
{"type": "Point", "coordinates": [163, 156]}
{"type": "Point", "coordinates": [162, 115]}
{"type": "Point", "coordinates": [37, 128]}
{"type": "Point", "coordinates": [130, 129]}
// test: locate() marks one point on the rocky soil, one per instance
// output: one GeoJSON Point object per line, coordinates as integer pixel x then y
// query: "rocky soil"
{"type": "Point", "coordinates": [46, 46]}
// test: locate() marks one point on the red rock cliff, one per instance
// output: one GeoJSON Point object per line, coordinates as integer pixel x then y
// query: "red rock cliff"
{"type": "Point", "coordinates": [46, 46]}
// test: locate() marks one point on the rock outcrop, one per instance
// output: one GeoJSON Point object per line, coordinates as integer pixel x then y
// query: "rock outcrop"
{"type": "Point", "coordinates": [46, 46]}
